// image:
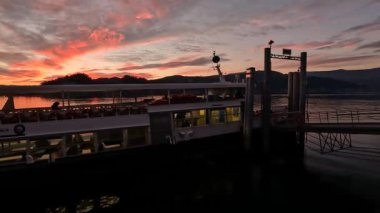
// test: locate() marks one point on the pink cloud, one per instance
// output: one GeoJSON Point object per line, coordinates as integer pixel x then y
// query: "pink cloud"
{"type": "Point", "coordinates": [118, 20]}
{"type": "Point", "coordinates": [145, 15]}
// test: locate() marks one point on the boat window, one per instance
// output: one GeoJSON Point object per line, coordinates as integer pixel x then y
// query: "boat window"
{"type": "Point", "coordinates": [190, 118]}
{"type": "Point", "coordinates": [110, 139]}
{"type": "Point", "coordinates": [233, 114]}
{"type": "Point", "coordinates": [218, 116]}
{"type": "Point", "coordinates": [136, 136]}
{"type": "Point", "coordinates": [199, 117]}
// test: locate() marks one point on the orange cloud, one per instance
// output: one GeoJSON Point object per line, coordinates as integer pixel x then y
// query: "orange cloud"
{"type": "Point", "coordinates": [18, 76]}
{"type": "Point", "coordinates": [35, 64]}
{"type": "Point", "coordinates": [99, 39]}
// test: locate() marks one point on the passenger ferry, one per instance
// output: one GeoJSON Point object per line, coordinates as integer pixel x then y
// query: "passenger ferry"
{"type": "Point", "coordinates": [184, 112]}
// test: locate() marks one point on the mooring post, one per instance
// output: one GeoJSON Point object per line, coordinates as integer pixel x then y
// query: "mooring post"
{"type": "Point", "coordinates": [248, 108]}
{"type": "Point", "coordinates": [266, 102]}
{"type": "Point", "coordinates": [302, 100]}
{"type": "Point", "coordinates": [290, 92]}
{"type": "Point", "coordinates": [296, 92]}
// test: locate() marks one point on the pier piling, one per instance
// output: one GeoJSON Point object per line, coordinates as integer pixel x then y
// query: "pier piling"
{"type": "Point", "coordinates": [266, 102]}
{"type": "Point", "coordinates": [248, 109]}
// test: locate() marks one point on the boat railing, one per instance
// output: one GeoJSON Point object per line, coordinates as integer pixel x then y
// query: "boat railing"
{"type": "Point", "coordinates": [69, 112]}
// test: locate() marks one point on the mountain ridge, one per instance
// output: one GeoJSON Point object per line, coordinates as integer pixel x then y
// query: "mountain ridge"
{"type": "Point", "coordinates": [335, 81]}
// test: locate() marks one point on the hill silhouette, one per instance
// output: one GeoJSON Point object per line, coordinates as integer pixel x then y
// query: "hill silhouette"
{"type": "Point", "coordinates": [368, 78]}
{"type": "Point", "coordinates": [338, 81]}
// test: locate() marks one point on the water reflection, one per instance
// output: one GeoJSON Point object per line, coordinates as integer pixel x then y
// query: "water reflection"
{"type": "Point", "coordinates": [88, 205]}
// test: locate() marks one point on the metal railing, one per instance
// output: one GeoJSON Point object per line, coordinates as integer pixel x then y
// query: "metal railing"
{"type": "Point", "coordinates": [344, 117]}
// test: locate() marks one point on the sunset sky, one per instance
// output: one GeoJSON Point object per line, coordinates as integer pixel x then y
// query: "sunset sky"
{"type": "Point", "coordinates": [45, 39]}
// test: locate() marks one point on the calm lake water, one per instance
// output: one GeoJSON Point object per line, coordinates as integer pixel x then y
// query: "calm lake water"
{"type": "Point", "coordinates": [314, 102]}
{"type": "Point", "coordinates": [357, 169]}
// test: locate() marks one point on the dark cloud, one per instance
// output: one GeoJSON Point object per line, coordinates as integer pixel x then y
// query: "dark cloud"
{"type": "Point", "coordinates": [306, 45]}
{"type": "Point", "coordinates": [333, 62]}
{"type": "Point", "coordinates": [10, 57]}
{"type": "Point", "coordinates": [325, 61]}
{"type": "Point", "coordinates": [359, 29]}
{"type": "Point", "coordinates": [3, 71]}
{"type": "Point", "coordinates": [195, 62]}
{"type": "Point", "coordinates": [189, 48]}
{"type": "Point", "coordinates": [341, 44]}
{"type": "Point", "coordinates": [21, 37]}
{"type": "Point", "coordinates": [372, 45]}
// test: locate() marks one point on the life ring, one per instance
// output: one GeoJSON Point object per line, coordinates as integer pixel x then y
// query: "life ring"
{"type": "Point", "coordinates": [19, 129]}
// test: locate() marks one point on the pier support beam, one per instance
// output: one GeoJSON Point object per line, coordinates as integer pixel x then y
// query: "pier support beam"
{"type": "Point", "coordinates": [266, 102]}
{"type": "Point", "coordinates": [248, 109]}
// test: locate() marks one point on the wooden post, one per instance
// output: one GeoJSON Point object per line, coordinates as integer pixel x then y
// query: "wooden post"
{"type": "Point", "coordinates": [266, 102]}
{"type": "Point", "coordinates": [248, 108]}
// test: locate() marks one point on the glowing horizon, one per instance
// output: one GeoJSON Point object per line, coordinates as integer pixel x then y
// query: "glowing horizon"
{"type": "Point", "coordinates": [45, 39]}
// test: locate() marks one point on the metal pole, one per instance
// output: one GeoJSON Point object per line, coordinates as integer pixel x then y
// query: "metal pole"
{"type": "Point", "coordinates": [290, 92]}
{"type": "Point", "coordinates": [248, 109]}
{"type": "Point", "coordinates": [266, 102]}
